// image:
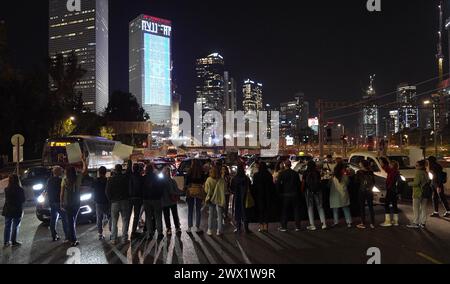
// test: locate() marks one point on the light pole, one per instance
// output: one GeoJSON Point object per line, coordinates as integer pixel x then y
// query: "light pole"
{"type": "Point", "coordinates": [428, 102]}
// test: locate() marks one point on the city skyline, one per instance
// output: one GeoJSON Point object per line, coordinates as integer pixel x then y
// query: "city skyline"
{"type": "Point", "coordinates": [307, 67]}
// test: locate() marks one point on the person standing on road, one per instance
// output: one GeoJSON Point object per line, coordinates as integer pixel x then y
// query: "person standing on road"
{"type": "Point", "coordinates": [70, 199]}
{"type": "Point", "coordinates": [117, 193]}
{"type": "Point", "coordinates": [264, 192]}
{"type": "Point", "coordinates": [225, 173]}
{"type": "Point", "coordinates": [13, 211]}
{"type": "Point", "coordinates": [278, 169]}
{"type": "Point", "coordinates": [438, 182]}
{"type": "Point", "coordinates": [195, 194]}
{"type": "Point", "coordinates": [170, 203]}
{"type": "Point", "coordinates": [289, 187]}
{"type": "Point", "coordinates": [53, 194]}
{"type": "Point", "coordinates": [365, 180]}
{"type": "Point", "coordinates": [392, 181]}
{"type": "Point", "coordinates": [240, 187]}
{"type": "Point", "coordinates": [154, 187]}
{"type": "Point", "coordinates": [102, 204]}
{"type": "Point", "coordinates": [135, 190]}
{"type": "Point", "coordinates": [339, 196]}
{"type": "Point", "coordinates": [420, 196]}
{"type": "Point", "coordinates": [215, 214]}
{"type": "Point", "coordinates": [312, 187]}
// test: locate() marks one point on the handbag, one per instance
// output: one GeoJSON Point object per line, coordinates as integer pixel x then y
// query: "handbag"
{"type": "Point", "coordinates": [196, 191]}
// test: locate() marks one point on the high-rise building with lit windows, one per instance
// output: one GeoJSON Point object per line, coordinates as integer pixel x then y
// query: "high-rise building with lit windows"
{"type": "Point", "coordinates": [81, 26]}
{"type": "Point", "coordinates": [150, 67]}
{"type": "Point", "coordinates": [253, 96]}
{"type": "Point", "coordinates": [408, 110]}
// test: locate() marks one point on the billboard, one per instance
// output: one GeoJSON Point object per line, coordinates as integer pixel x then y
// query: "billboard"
{"type": "Point", "coordinates": [313, 123]}
{"type": "Point", "coordinates": [157, 69]}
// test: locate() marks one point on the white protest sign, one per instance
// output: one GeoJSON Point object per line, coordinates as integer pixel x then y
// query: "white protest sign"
{"type": "Point", "coordinates": [73, 153]}
{"type": "Point", "coordinates": [123, 151]}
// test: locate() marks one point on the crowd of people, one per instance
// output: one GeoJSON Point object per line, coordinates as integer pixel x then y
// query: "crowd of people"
{"type": "Point", "coordinates": [138, 191]}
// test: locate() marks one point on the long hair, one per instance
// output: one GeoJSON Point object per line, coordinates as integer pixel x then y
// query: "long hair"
{"type": "Point", "coordinates": [279, 166]}
{"type": "Point", "coordinates": [13, 181]}
{"type": "Point", "coordinates": [196, 170]}
{"type": "Point", "coordinates": [214, 172]}
{"type": "Point", "coordinates": [71, 175]}
{"type": "Point", "coordinates": [311, 166]}
{"type": "Point", "coordinates": [339, 171]}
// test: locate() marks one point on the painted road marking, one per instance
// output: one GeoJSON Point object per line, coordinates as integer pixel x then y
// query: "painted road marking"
{"type": "Point", "coordinates": [429, 258]}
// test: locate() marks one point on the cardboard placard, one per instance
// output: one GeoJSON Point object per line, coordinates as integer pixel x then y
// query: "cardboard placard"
{"type": "Point", "coordinates": [73, 153]}
{"type": "Point", "coordinates": [123, 151]}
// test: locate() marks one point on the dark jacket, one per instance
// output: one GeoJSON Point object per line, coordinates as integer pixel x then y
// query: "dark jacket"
{"type": "Point", "coordinates": [54, 190]}
{"type": "Point", "coordinates": [135, 186]}
{"type": "Point", "coordinates": [289, 183]}
{"type": "Point", "coordinates": [154, 187]}
{"type": "Point", "coordinates": [100, 190]}
{"type": "Point", "coordinates": [263, 189]}
{"type": "Point", "coordinates": [437, 171]}
{"type": "Point", "coordinates": [117, 188]}
{"type": "Point", "coordinates": [365, 181]}
{"type": "Point", "coordinates": [14, 200]}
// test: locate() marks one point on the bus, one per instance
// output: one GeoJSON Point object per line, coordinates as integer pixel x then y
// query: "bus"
{"type": "Point", "coordinates": [97, 150]}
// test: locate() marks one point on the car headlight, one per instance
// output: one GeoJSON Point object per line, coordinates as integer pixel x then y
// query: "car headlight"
{"type": "Point", "coordinates": [85, 197]}
{"type": "Point", "coordinates": [38, 186]}
{"type": "Point", "coordinates": [430, 176]}
{"type": "Point", "coordinates": [41, 199]}
{"type": "Point", "coordinates": [375, 190]}
{"type": "Point", "coordinates": [403, 178]}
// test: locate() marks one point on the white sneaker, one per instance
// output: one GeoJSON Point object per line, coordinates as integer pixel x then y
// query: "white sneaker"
{"type": "Point", "coordinates": [324, 227]}
{"type": "Point", "coordinates": [209, 233]}
{"type": "Point", "coordinates": [311, 228]}
{"type": "Point", "coordinates": [349, 225]}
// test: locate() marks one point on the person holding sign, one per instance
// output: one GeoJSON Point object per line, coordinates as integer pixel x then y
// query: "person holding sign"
{"type": "Point", "coordinates": [70, 198]}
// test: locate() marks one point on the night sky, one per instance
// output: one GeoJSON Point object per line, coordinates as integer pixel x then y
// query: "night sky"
{"type": "Point", "coordinates": [326, 49]}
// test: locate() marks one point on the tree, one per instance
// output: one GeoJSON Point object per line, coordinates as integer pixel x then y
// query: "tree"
{"type": "Point", "coordinates": [124, 107]}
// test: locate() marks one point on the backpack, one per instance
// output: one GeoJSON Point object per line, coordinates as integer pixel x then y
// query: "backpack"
{"type": "Point", "coordinates": [367, 181]}
{"type": "Point", "coordinates": [427, 190]}
{"type": "Point", "coordinates": [312, 181]}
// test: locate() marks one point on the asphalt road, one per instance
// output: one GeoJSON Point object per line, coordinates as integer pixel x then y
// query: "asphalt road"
{"type": "Point", "coordinates": [339, 245]}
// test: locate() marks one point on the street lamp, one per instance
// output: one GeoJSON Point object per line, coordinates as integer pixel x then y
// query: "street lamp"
{"type": "Point", "coordinates": [426, 103]}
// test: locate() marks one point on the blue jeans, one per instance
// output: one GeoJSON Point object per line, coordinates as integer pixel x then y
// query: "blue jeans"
{"type": "Point", "coordinates": [72, 215]}
{"type": "Point", "coordinates": [11, 229]}
{"type": "Point", "coordinates": [347, 214]}
{"type": "Point", "coordinates": [197, 203]}
{"type": "Point", "coordinates": [215, 219]}
{"type": "Point", "coordinates": [312, 198]}
{"type": "Point", "coordinates": [56, 213]}
{"type": "Point", "coordinates": [102, 211]}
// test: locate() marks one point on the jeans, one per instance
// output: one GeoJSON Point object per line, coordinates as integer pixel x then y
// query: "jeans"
{"type": "Point", "coordinates": [317, 199]}
{"type": "Point", "coordinates": [176, 219]}
{"type": "Point", "coordinates": [197, 203]}
{"type": "Point", "coordinates": [347, 214]}
{"type": "Point", "coordinates": [227, 206]}
{"type": "Point", "coordinates": [366, 197]}
{"type": "Point", "coordinates": [391, 198]}
{"type": "Point", "coordinates": [420, 211]}
{"type": "Point", "coordinates": [135, 207]}
{"type": "Point", "coordinates": [71, 215]}
{"type": "Point", "coordinates": [439, 197]}
{"type": "Point", "coordinates": [122, 208]}
{"type": "Point", "coordinates": [215, 218]}
{"type": "Point", "coordinates": [290, 203]}
{"type": "Point", "coordinates": [153, 210]}
{"type": "Point", "coordinates": [103, 211]}
{"type": "Point", "coordinates": [11, 232]}
{"type": "Point", "coordinates": [56, 213]}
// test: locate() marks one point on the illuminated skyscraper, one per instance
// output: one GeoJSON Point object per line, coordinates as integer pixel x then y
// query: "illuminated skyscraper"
{"type": "Point", "coordinates": [150, 67]}
{"type": "Point", "coordinates": [253, 96]}
{"type": "Point", "coordinates": [370, 124]}
{"type": "Point", "coordinates": [408, 111]}
{"type": "Point", "coordinates": [82, 26]}
{"type": "Point", "coordinates": [229, 92]}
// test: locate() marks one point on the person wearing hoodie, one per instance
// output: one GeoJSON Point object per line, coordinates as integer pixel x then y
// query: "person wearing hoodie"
{"type": "Point", "coordinates": [365, 180]}
{"type": "Point", "coordinates": [170, 203]}
{"type": "Point", "coordinates": [392, 180]}
{"type": "Point", "coordinates": [117, 193]}
{"type": "Point", "coordinates": [136, 184]}
{"type": "Point", "coordinates": [13, 211]}
{"type": "Point", "coordinates": [215, 215]}
{"type": "Point", "coordinates": [264, 191]}
{"type": "Point", "coordinates": [154, 187]}
{"type": "Point", "coordinates": [240, 187]}
{"type": "Point", "coordinates": [419, 200]}
{"type": "Point", "coordinates": [311, 186]}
